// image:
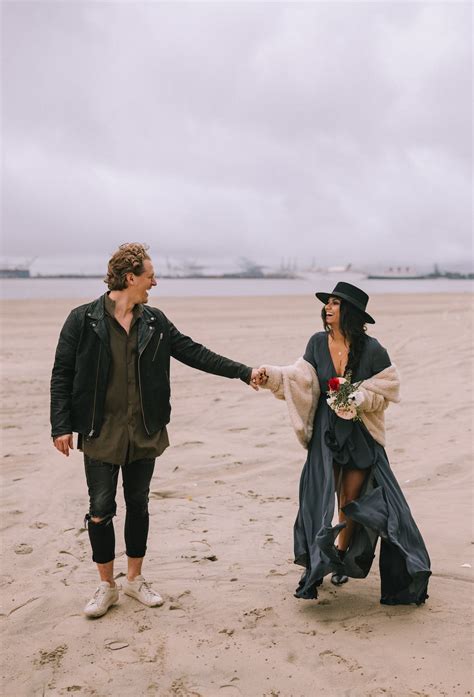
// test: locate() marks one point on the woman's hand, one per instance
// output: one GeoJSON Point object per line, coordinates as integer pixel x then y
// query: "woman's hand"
{"type": "Point", "coordinates": [259, 377]}
{"type": "Point", "coordinates": [346, 413]}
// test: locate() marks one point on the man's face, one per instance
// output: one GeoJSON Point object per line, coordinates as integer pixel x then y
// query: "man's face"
{"type": "Point", "coordinates": [140, 285]}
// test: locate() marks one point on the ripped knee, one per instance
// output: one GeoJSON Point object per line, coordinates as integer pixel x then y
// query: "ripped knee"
{"type": "Point", "coordinates": [97, 520]}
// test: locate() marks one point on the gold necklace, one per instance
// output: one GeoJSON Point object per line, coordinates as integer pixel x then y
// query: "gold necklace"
{"type": "Point", "coordinates": [339, 353]}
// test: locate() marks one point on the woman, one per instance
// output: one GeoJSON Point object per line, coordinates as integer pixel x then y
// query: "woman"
{"type": "Point", "coordinates": [347, 457]}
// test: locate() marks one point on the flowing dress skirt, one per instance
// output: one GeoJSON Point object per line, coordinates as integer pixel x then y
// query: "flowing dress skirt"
{"type": "Point", "coordinates": [381, 511]}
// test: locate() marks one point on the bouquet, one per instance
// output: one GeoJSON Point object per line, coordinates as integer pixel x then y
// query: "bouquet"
{"type": "Point", "coordinates": [344, 397]}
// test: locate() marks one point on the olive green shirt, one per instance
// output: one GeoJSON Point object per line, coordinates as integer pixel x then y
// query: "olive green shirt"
{"type": "Point", "coordinates": [123, 437]}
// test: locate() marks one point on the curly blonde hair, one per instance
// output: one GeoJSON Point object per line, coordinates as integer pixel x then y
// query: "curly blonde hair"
{"type": "Point", "coordinates": [128, 258]}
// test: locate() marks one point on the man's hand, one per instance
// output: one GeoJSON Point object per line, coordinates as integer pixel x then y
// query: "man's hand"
{"type": "Point", "coordinates": [259, 377]}
{"type": "Point", "coordinates": [63, 443]}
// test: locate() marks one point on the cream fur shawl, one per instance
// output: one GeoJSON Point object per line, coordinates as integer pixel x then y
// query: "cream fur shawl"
{"type": "Point", "coordinates": [298, 384]}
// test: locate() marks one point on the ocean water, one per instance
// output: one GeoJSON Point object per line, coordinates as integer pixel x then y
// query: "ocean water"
{"type": "Point", "coordinates": [51, 288]}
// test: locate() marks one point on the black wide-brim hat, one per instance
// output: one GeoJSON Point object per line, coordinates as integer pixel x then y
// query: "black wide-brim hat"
{"type": "Point", "coordinates": [351, 294]}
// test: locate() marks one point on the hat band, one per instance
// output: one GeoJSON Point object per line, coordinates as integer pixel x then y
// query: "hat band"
{"type": "Point", "coordinates": [349, 299]}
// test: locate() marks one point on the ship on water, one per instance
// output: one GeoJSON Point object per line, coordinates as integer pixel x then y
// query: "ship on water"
{"type": "Point", "coordinates": [15, 270]}
{"type": "Point", "coordinates": [407, 273]}
{"type": "Point", "coordinates": [399, 273]}
{"type": "Point", "coordinates": [247, 269]}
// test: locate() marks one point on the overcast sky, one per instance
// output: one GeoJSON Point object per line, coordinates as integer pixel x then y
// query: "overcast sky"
{"type": "Point", "coordinates": [339, 131]}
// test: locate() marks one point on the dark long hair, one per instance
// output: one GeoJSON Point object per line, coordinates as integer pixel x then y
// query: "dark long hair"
{"type": "Point", "coordinates": [353, 328]}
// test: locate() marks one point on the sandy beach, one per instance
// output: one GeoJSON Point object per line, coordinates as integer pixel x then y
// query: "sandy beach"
{"type": "Point", "coordinates": [223, 501]}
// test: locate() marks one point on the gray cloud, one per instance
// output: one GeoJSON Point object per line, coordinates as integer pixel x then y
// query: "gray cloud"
{"type": "Point", "coordinates": [331, 130]}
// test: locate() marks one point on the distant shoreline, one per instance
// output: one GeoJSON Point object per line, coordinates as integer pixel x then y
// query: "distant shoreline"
{"type": "Point", "coordinates": [53, 287]}
{"type": "Point", "coordinates": [449, 276]}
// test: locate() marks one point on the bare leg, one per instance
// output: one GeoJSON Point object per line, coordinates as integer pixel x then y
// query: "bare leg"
{"type": "Point", "coordinates": [337, 483]}
{"type": "Point", "coordinates": [106, 572]}
{"type": "Point", "coordinates": [134, 567]}
{"type": "Point", "coordinates": [351, 485]}
{"type": "Point", "coordinates": [337, 488]}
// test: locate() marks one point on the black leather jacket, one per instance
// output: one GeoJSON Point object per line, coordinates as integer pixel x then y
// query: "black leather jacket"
{"type": "Point", "coordinates": [82, 362]}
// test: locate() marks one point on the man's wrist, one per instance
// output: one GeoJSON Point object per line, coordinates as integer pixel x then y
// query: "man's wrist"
{"type": "Point", "coordinates": [246, 378]}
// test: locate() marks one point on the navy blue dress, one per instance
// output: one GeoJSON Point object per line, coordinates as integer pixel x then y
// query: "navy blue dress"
{"type": "Point", "coordinates": [380, 511]}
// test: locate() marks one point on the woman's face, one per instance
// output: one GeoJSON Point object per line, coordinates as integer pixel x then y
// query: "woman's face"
{"type": "Point", "coordinates": [333, 309]}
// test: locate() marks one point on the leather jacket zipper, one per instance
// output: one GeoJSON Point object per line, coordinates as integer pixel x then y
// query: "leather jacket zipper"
{"type": "Point", "coordinates": [140, 381]}
{"type": "Point", "coordinates": [95, 393]}
{"type": "Point", "coordinates": [157, 347]}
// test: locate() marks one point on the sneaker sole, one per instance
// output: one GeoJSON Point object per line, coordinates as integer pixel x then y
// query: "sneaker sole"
{"type": "Point", "coordinates": [98, 614]}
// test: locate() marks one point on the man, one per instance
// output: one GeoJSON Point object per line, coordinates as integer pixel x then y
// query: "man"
{"type": "Point", "coordinates": [110, 384]}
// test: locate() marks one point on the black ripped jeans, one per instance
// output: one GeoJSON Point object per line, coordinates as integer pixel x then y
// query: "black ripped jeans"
{"type": "Point", "coordinates": [102, 480]}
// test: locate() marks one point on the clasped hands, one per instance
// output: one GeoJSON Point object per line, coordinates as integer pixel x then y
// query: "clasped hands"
{"type": "Point", "coordinates": [258, 377]}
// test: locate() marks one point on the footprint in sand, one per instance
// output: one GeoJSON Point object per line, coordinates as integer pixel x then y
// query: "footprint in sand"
{"type": "Point", "coordinates": [54, 657]}
{"type": "Point", "coordinates": [188, 443]}
{"type": "Point", "coordinates": [167, 495]}
{"type": "Point", "coordinates": [268, 540]}
{"type": "Point", "coordinates": [177, 600]}
{"type": "Point", "coordinates": [229, 632]}
{"type": "Point", "coordinates": [274, 572]}
{"type": "Point", "coordinates": [252, 616]}
{"type": "Point", "coordinates": [330, 656]}
{"type": "Point", "coordinates": [250, 493]}
{"type": "Point", "coordinates": [362, 630]}
{"type": "Point", "coordinates": [180, 688]}
{"type": "Point", "coordinates": [23, 548]}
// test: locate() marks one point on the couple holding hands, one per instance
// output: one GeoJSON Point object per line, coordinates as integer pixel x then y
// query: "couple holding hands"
{"type": "Point", "coordinates": [110, 384]}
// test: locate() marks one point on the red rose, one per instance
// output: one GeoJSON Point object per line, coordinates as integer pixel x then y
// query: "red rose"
{"type": "Point", "coordinates": [333, 384]}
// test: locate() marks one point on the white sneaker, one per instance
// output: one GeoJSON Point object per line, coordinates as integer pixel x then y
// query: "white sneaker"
{"type": "Point", "coordinates": [103, 598]}
{"type": "Point", "coordinates": [142, 591]}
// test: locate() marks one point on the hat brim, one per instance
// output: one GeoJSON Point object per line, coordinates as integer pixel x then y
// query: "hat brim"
{"type": "Point", "coordinates": [324, 297]}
